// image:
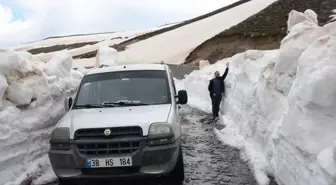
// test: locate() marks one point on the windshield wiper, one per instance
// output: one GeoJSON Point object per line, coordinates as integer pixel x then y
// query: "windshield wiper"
{"type": "Point", "coordinates": [124, 103]}
{"type": "Point", "coordinates": [90, 106]}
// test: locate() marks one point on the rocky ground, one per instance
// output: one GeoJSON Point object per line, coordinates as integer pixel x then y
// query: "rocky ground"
{"type": "Point", "coordinates": [207, 160]}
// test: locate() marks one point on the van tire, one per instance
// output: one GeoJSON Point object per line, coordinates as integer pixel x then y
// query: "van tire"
{"type": "Point", "coordinates": [177, 175]}
{"type": "Point", "coordinates": [67, 182]}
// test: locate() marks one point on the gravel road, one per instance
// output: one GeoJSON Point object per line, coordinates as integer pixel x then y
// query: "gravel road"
{"type": "Point", "coordinates": [207, 160]}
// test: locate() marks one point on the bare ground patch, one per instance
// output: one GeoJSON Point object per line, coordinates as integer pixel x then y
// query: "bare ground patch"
{"type": "Point", "coordinates": [263, 31]}
{"type": "Point", "coordinates": [226, 46]}
{"type": "Point", "coordinates": [59, 47]}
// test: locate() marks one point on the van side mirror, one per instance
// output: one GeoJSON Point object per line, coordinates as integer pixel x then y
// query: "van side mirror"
{"type": "Point", "coordinates": [182, 97]}
{"type": "Point", "coordinates": [68, 103]}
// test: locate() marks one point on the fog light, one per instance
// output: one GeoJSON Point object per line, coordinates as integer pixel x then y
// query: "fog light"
{"type": "Point", "coordinates": [60, 146]}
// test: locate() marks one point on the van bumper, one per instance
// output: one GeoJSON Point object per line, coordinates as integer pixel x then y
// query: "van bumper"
{"type": "Point", "coordinates": [147, 161]}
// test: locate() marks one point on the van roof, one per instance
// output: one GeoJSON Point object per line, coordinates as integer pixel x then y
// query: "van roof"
{"type": "Point", "coordinates": [128, 67]}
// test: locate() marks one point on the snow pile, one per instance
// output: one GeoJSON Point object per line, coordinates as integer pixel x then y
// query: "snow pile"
{"type": "Point", "coordinates": [302, 34]}
{"type": "Point", "coordinates": [106, 56]}
{"type": "Point", "coordinates": [296, 17]}
{"type": "Point", "coordinates": [203, 63]}
{"type": "Point", "coordinates": [280, 105]}
{"type": "Point", "coordinates": [31, 103]}
{"type": "Point", "coordinates": [333, 17]}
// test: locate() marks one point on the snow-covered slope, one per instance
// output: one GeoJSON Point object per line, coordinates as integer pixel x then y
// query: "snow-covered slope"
{"type": "Point", "coordinates": [45, 57]}
{"type": "Point", "coordinates": [108, 39]}
{"type": "Point", "coordinates": [174, 46]}
{"type": "Point", "coordinates": [171, 46]}
{"type": "Point", "coordinates": [31, 103]}
{"type": "Point", "coordinates": [280, 105]}
{"type": "Point", "coordinates": [115, 38]}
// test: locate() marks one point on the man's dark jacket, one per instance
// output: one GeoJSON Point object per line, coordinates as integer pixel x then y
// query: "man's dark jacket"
{"type": "Point", "coordinates": [222, 86]}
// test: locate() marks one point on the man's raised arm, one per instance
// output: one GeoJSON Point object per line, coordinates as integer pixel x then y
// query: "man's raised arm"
{"type": "Point", "coordinates": [226, 71]}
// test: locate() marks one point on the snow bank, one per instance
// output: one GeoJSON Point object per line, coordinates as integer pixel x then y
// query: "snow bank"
{"type": "Point", "coordinates": [3, 87]}
{"type": "Point", "coordinates": [284, 120]}
{"type": "Point", "coordinates": [302, 34]}
{"type": "Point", "coordinates": [296, 17]}
{"type": "Point", "coordinates": [106, 56]}
{"type": "Point", "coordinates": [203, 63]}
{"type": "Point", "coordinates": [333, 17]}
{"type": "Point", "coordinates": [31, 103]}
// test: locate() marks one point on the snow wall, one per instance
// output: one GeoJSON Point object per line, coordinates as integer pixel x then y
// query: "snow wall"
{"type": "Point", "coordinates": [280, 105]}
{"type": "Point", "coordinates": [31, 103]}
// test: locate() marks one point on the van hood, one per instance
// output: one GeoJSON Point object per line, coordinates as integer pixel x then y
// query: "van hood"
{"type": "Point", "coordinates": [142, 116]}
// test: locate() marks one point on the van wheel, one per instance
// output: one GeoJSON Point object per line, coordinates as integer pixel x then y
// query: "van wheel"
{"type": "Point", "coordinates": [177, 175]}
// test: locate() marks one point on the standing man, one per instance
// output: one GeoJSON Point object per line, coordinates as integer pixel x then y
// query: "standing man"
{"type": "Point", "coordinates": [216, 88]}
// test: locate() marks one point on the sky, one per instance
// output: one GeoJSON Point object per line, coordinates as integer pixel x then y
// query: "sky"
{"type": "Point", "coordinates": [23, 21]}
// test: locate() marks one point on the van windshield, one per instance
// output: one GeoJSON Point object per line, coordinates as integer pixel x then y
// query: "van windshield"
{"type": "Point", "coordinates": [124, 88]}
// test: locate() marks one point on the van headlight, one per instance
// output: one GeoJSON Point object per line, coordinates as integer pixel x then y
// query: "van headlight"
{"type": "Point", "coordinates": [160, 134]}
{"type": "Point", "coordinates": [60, 139]}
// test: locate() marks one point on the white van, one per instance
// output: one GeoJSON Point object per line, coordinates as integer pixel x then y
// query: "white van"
{"type": "Point", "coordinates": [122, 123]}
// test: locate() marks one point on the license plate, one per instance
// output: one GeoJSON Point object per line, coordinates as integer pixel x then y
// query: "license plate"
{"type": "Point", "coordinates": [108, 162]}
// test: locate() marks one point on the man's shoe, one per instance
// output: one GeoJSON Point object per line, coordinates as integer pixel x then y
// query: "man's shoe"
{"type": "Point", "coordinates": [216, 119]}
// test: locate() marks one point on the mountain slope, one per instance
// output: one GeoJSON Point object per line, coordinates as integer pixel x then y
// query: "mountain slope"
{"type": "Point", "coordinates": [171, 44]}
{"type": "Point", "coordinates": [174, 46]}
{"type": "Point", "coordinates": [262, 31]}
{"type": "Point", "coordinates": [154, 33]}
{"type": "Point", "coordinates": [57, 43]}
{"type": "Point", "coordinates": [122, 46]}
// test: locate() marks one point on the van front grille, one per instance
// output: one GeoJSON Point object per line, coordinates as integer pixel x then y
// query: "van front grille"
{"type": "Point", "coordinates": [108, 148]}
{"type": "Point", "coordinates": [116, 132]}
{"type": "Point", "coordinates": [97, 144]}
